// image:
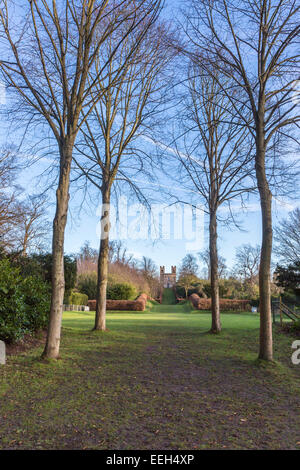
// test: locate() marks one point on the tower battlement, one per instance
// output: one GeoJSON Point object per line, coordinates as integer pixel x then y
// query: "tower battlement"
{"type": "Point", "coordinates": [167, 280]}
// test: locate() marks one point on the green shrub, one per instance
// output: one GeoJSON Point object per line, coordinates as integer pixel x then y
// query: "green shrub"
{"type": "Point", "coordinates": [40, 265]}
{"type": "Point", "coordinates": [76, 298]}
{"type": "Point", "coordinates": [24, 303]}
{"type": "Point", "coordinates": [87, 284]}
{"type": "Point", "coordinates": [37, 303]}
{"type": "Point", "coordinates": [12, 305]}
{"type": "Point", "coordinates": [121, 291]}
{"type": "Point", "coordinates": [296, 326]}
{"type": "Point", "coordinates": [180, 292]}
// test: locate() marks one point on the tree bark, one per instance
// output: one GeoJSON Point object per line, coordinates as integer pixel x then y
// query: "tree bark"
{"type": "Point", "coordinates": [100, 317]}
{"type": "Point", "coordinates": [58, 281]}
{"type": "Point", "coordinates": [25, 243]}
{"type": "Point", "coordinates": [266, 341]}
{"type": "Point", "coordinates": [214, 276]}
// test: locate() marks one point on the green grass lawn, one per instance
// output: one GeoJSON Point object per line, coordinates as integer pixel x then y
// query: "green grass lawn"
{"type": "Point", "coordinates": [168, 297]}
{"type": "Point", "coordinates": [154, 380]}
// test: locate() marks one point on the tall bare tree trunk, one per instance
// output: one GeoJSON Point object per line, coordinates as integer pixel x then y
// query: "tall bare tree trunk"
{"type": "Point", "coordinates": [58, 280]}
{"type": "Point", "coordinates": [214, 276]}
{"type": "Point", "coordinates": [25, 244]}
{"type": "Point", "coordinates": [100, 317]}
{"type": "Point", "coordinates": [266, 341]}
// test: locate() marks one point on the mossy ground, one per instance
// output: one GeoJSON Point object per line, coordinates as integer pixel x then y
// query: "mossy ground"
{"type": "Point", "coordinates": [154, 380]}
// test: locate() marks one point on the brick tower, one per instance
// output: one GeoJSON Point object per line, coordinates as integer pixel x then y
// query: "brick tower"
{"type": "Point", "coordinates": [168, 280]}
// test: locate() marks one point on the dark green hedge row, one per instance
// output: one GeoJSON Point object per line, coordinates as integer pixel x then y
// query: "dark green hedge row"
{"type": "Point", "coordinates": [24, 303]}
{"type": "Point", "coordinates": [87, 284]}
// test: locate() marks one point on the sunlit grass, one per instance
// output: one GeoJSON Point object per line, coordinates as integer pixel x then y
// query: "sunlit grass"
{"type": "Point", "coordinates": [154, 379]}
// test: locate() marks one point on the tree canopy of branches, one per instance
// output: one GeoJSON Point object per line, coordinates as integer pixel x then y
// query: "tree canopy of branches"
{"type": "Point", "coordinates": [109, 151]}
{"type": "Point", "coordinates": [86, 258]}
{"type": "Point", "coordinates": [287, 238]}
{"type": "Point", "coordinates": [204, 256]}
{"type": "Point", "coordinates": [23, 224]}
{"type": "Point", "coordinates": [187, 273]}
{"type": "Point", "coordinates": [150, 272]}
{"type": "Point", "coordinates": [118, 253]}
{"type": "Point", "coordinates": [215, 159]}
{"type": "Point", "coordinates": [254, 45]}
{"type": "Point", "coordinates": [247, 259]}
{"type": "Point", "coordinates": [31, 230]}
{"type": "Point", "coordinates": [48, 52]}
{"type": "Point", "coordinates": [9, 192]}
{"type": "Point", "coordinates": [188, 265]}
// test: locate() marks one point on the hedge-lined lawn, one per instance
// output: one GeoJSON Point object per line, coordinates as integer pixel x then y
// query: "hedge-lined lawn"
{"type": "Point", "coordinates": [155, 380]}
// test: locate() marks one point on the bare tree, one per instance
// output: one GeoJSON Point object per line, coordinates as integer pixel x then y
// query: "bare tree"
{"type": "Point", "coordinates": [255, 45]}
{"type": "Point", "coordinates": [111, 139]}
{"type": "Point", "coordinates": [31, 229]}
{"type": "Point", "coordinates": [47, 55]}
{"type": "Point", "coordinates": [150, 272]}
{"type": "Point", "coordinates": [247, 262]}
{"type": "Point", "coordinates": [204, 256]}
{"type": "Point", "coordinates": [188, 266]}
{"type": "Point", "coordinates": [8, 168]}
{"type": "Point", "coordinates": [215, 159]}
{"type": "Point", "coordinates": [148, 267]}
{"type": "Point", "coordinates": [8, 196]}
{"type": "Point", "coordinates": [86, 259]}
{"type": "Point", "coordinates": [22, 222]}
{"type": "Point", "coordinates": [118, 253]}
{"type": "Point", "coordinates": [87, 253]}
{"type": "Point", "coordinates": [287, 238]}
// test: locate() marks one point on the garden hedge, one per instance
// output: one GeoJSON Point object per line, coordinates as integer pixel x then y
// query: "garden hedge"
{"type": "Point", "coordinates": [225, 304]}
{"type": "Point", "coordinates": [24, 303]}
{"type": "Point", "coordinates": [137, 305]}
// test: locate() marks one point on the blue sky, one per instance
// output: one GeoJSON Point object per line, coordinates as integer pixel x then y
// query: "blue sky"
{"type": "Point", "coordinates": [82, 226]}
{"type": "Point", "coordinates": [170, 252]}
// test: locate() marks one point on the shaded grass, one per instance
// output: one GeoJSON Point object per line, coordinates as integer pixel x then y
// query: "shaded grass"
{"type": "Point", "coordinates": [155, 379]}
